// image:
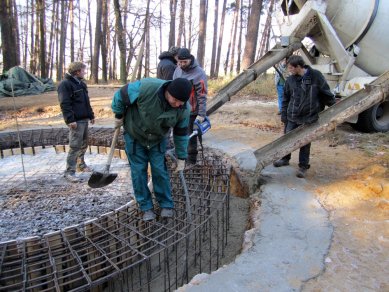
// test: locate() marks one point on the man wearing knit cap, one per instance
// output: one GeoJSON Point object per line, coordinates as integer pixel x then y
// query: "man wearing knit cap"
{"type": "Point", "coordinates": [188, 67]}
{"type": "Point", "coordinates": [147, 108]}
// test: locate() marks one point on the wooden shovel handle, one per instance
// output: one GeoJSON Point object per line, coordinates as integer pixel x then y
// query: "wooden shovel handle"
{"type": "Point", "coordinates": [112, 150]}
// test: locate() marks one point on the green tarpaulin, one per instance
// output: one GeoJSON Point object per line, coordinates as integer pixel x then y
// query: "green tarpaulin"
{"type": "Point", "coordinates": [23, 83]}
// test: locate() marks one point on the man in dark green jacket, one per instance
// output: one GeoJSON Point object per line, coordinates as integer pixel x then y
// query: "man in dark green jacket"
{"type": "Point", "coordinates": [147, 109]}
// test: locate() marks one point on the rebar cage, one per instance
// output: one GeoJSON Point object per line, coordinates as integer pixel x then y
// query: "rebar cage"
{"type": "Point", "coordinates": [118, 251]}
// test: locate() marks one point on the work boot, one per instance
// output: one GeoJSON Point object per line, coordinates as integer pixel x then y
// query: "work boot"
{"type": "Point", "coordinates": [166, 213]}
{"type": "Point", "coordinates": [281, 162]}
{"type": "Point", "coordinates": [149, 215]}
{"type": "Point", "coordinates": [84, 168]}
{"type": "Point", "coordinates": [301, 172]}
{"type": "Point", "coordinates": [71, 177]}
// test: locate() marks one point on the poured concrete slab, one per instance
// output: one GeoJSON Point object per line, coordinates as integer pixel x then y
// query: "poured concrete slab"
{"type": "Point", "coordinates": [290, 240]}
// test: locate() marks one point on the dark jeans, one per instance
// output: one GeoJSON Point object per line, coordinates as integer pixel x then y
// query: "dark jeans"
{"type": "Point", "coordinates": [78, 143]}
{"type": "Point", "coordinates": [192, 146]}
{"type": "Point", "coordinates": [304, 151]}
{"type": "Point", "coordinates": [139, 157]}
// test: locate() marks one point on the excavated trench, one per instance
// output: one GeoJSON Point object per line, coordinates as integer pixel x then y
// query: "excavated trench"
{"type": "Point", "coordinates": [111, 248]}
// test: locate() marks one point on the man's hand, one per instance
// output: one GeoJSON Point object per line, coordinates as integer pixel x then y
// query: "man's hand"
{"type": "Point", "coordinates": [92, 121]}
{"type": "Point", "coordinates": [72, 125]}
{"type": "Point", "coordinates": [180, 165]}
{"type": "Point", "coordinates": [118, 123]}
{"type": "Point", "coordinates": [284, 119]}
{"type": "Point", "coordinates": [200, 119]}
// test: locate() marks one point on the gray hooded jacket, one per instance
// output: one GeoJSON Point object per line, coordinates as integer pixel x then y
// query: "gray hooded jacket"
{"type": "Point", "coordinates": [197, 76]}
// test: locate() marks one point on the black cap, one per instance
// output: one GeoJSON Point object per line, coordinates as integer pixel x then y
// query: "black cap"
{"type": "Point", "coordinates": [183, 54]}
{"type": "Point", "coordinates": [180, 89]}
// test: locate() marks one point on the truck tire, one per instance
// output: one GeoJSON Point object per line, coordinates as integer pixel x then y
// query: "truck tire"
{"type": "Point", "coordinates": [374, 119]}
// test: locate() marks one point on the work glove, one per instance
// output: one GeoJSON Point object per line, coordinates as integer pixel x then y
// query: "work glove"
{"type": "Point", "coordinates": [118, 123]}
{"type": "Point", "coordinates": [180, 165]}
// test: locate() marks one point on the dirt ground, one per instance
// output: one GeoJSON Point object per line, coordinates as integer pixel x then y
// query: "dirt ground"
{"type": "Point", "coordinates": [349, 173]}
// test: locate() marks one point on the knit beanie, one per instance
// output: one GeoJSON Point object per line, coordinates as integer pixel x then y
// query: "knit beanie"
{"type": "Point", "coordinates": [183, 54]}
{"type": "Point", "coordinates": [180, 89]}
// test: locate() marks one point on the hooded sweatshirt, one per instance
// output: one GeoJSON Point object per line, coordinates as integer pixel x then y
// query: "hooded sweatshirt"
{"type": "Point", "coordinates": [166, 66]}
{"type": "Point", "coordinates": [197, 76]}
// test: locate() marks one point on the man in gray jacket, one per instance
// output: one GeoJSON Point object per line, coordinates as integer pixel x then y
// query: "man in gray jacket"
{"type": "Point", "coordinates": [188, 67]}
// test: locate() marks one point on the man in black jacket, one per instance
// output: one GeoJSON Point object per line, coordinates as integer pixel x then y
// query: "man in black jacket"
{"type": "Point", "coordinates": [77, 112]}
{"type": "Point", "coordinates": [167, 64]}
{"type": "Point", "coordinates": [306, 93]}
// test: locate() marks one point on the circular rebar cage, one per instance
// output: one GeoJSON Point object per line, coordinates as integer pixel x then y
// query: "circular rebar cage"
{"type": "Point", "coordinates": [118, 251]}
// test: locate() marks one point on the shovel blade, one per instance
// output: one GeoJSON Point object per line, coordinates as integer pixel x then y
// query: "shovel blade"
{"type": "Point", "coordinates": [99, 179]}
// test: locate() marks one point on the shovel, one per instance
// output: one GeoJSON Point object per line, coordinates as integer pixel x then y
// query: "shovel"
{"type": "Point", "coordinates": [102, 179]}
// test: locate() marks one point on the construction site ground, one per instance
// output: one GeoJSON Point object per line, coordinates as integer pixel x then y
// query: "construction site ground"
{"type": "Point", "coordinates": [327, 232]}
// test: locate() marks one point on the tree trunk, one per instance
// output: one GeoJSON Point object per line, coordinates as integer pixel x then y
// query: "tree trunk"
{"type": "Point", "coordinates": [71, 12]}
{"type": "Point", "coordinates": [36, 42]}
{"type": "Point", "coordinates": [26, 28]}
{"type": "Point", "coordinates": [120, 36]}
{"type": "Point", "coordinates": [229, 48]}
{"type": "Point", "coordinates": [264, 45]}
{"type": "Point", "coordinates": [160, 27]}
{"type": "Point", "coordinates": [8, 37]}
{"type": "Point", "coordinates": [104, 37]}
{"type": "Point", "coordinates": [147, 40]}
{"type": "Point", "coordinates": [202, 32]}
{"type": "Point", "coordinates": [181, 25]}
{"type": "Point", "coordinates": [220, 42]}
{"type": "Point", "coordinates": [82, 40]}
{"type": "Point", "coordinates": [16, 31]}
{"type": "Point", "coordinates": [172, 32]}
{"type": "Point", "coordinates": [214, 42]}
{"type": "Point", "coordinates": [62, 41]}
{"type": "Point", "coordinates": [96, 48]}
{"type": "Point", "coordinates": [53, 26]}
{"type": "Point", "coordinates": [240, 41]}
{"type": "Point", "coordinates": [90, 38]}
{"type": "Point", "coordinates": [57, 39]}
{"type": "Point", "coordinates": [252, 34]}
{"type": "Point", "coordinates": [42, 36]}
{"type": "Point", "coordinates": [32, 45]}
{"type": "Point", "coordinates": [236, 21]}
{"type": "Point", "coordinates": [190, 40]}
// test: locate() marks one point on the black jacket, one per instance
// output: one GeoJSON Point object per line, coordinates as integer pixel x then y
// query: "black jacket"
{"type": "Point", "coordinates": [305, 96]}
{"type": "Point", "coordinates": [74, 100]}
{"type": "Point", "coordinates": [166, 66]}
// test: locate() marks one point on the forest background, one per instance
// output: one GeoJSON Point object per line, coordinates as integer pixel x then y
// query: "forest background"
{"type": "Point", "coordinates": [114, 37]}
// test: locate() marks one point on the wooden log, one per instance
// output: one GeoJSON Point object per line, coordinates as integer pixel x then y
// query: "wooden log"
{"type": "Point", "coordinates": [250, 74]}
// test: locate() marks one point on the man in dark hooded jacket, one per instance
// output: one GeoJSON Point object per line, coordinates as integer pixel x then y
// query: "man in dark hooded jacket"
{"type": "Point", "coordinates": [167, 64]}
{"type": "Point", "coordinates": [306, 93]}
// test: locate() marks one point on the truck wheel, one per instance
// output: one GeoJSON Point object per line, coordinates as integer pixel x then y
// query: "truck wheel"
{"type": "Point", "coordinates": [375, 119]}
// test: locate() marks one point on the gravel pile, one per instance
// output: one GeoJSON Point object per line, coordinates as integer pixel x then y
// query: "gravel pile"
{"type": "Point", "coordinates": [43, 201]}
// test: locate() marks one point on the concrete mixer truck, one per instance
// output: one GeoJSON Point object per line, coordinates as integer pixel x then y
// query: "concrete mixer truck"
{"type": "Point", "coordinates": [350, 46]}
